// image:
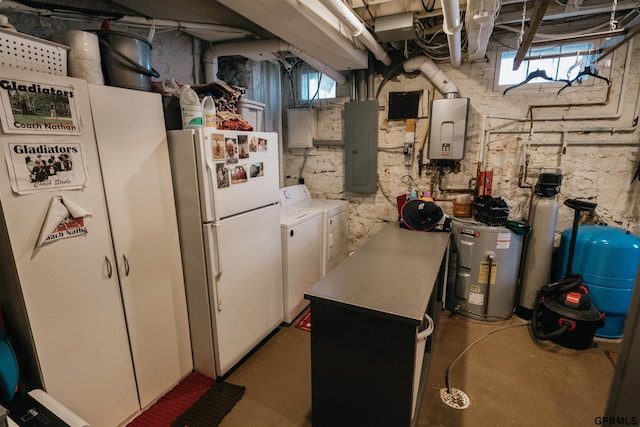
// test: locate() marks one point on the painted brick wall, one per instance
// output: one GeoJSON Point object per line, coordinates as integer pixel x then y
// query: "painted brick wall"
{"type": "Point", "coordinates": [598, 164]}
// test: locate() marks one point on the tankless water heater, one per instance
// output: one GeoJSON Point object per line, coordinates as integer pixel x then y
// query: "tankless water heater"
{"type": "Point", "coordinates": [448, 128]}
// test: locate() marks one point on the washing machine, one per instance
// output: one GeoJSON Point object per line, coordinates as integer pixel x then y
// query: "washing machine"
{"type": "Point", "coordinates": [301, 233]}
{"type": "Point", "coordinates": [335, 225]}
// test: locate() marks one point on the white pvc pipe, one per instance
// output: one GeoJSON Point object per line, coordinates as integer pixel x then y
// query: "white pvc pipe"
{"type": "Point", "coordinates": [357, 28]}
{"type": "Point", "coordinates": [432, 72]}
{"type": "Point", "coordinates": [451, 26]}
{"type": "Point", "coordinates": [261, 47]}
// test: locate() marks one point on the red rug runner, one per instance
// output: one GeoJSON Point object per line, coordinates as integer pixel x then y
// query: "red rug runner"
{"type": "Point", "coordinates": [305, 322]}
{"type": "Point", "coordinates": [174, 403]}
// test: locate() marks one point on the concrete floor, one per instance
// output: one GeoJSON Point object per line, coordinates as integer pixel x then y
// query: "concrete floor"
{"type": "Point", "coordinates": [510, 379]}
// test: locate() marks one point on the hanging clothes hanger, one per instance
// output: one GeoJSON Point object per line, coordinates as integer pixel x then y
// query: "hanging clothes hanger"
{"type": "Point", "coordinates": [579, 63]}
{"type": "Point", "coordinates": [532, 75]}
{"type": "Point", "coordinates": [588, 71]}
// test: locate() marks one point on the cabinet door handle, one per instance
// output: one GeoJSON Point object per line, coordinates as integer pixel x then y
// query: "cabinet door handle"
{"type": "Point", "coordinates": [126, 265]}
{"type": "Point", "coordinates": [109, 268]}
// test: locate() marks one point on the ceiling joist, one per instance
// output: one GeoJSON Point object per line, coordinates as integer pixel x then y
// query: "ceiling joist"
{"type": "Point", "coordinates": [527, 38]}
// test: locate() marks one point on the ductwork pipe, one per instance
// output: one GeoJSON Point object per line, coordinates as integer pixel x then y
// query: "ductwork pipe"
{"type": "Point", "coordinates": [256, 48]}
{"type": "Point", "coordinates": [433, 73]}
{"type": "Point", "coordinates": [357, 28]}
{"type": "Point", "coordinates": [451, 26]}
{"type": "Point", "coordinates": [193, 28]}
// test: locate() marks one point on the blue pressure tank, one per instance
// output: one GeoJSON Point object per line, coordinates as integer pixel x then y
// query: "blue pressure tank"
{"type": "Point", "coordinates": [608, 259]}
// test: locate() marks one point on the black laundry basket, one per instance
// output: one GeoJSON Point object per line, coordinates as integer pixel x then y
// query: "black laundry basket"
{"type": "Point", "coordinates": [491, 210]}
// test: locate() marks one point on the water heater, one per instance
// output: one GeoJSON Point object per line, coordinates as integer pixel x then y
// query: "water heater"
{"type": "Point", "coordinates": [448, 128]}
{"type": "Point", "coordinates": [483, 270]}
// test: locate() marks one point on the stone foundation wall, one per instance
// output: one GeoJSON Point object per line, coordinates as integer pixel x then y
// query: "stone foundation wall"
{"type": "Point", "coordinates": [598, 158]}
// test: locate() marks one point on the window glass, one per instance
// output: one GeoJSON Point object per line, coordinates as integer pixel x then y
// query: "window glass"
{"type": "Point", "coordinates": [315, 85]}
{"type": "Point", "coordinates": [560, 67]}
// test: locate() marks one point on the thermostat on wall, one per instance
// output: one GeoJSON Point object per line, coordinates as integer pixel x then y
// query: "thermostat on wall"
{"type": "Point", "coordinates": [301, 125]}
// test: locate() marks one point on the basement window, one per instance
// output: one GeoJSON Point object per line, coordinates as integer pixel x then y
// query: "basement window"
{"type": "Point", "coordinates": [562, 62]}
{"type": "Point", "coordinates": [315, 85]}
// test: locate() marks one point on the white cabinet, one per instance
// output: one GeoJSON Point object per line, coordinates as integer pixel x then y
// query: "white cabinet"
{"type": "Point", "coordinates": [98, 320]}
{"type": "Point", "coordinates": [134, 159]}
{"type": "Point", "coordinates": [62, 307]}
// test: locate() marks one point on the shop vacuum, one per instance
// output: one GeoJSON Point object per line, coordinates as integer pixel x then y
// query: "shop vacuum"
{"type": "Point", "coordinates": [563, 312]}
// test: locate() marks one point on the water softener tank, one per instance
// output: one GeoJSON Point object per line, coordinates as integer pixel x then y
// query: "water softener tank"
{"type": "Point", "coordinates": [483, 270]}
{"type": "Point", "coordinates": [607, 258]}
{"type": "Point", "coordinates": [536, 270]}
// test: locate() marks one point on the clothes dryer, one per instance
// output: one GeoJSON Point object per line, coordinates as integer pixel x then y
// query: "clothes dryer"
{"type": "Point", "coordinates": [335, 231]}
{"type": "Point", "coordinates": [301, 234]}
{"type": "Point", "coordinates": [335, 224]}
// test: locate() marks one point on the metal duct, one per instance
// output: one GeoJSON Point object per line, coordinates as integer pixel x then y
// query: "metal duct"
{"type": "Point", "coordinates": [261, 50]}
{"type": "Point", "coordinates": [207, 32]}
{"type": "Point", "coordinates": [357, 28]}
{"type": "Point", "coordinates": [433, 73]}
{"type": "Point", "coordinates": [451, 26]}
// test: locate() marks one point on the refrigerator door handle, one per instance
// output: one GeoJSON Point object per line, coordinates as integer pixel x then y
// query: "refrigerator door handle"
{"type": "Point", "coordinates": [218, 268]}
{"type": "Point", "coordinates": [209, 210]}
{"type": "Point", "coordinates": [214, 252]}
{"type": "Point", "coordinates": [217, 253]}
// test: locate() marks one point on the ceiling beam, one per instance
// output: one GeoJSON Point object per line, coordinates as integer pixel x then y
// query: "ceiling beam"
{"type": "Point", "coordinates": [536, 18]}
{"type": "Point", "coordinates": [630, 30]}
{"type": "Point", "coordinates": [555, 11]}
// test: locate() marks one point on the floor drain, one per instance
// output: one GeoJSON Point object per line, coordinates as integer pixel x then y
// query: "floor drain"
{"type": "Point", "coordinates": [456, 398]}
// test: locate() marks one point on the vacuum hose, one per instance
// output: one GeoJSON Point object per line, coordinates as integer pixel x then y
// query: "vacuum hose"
{"type": "Point", "coordinates": [551, 335]}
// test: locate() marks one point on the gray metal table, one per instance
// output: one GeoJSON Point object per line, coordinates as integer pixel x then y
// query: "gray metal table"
{"type": "Point", "coordinates": [365, 317]}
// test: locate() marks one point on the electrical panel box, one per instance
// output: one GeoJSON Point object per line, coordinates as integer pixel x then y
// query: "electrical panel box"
{"type": "Point", "coordinates": [361, 146]}
{"type": "Point", "coordinates": [301, 127]}
{"type": "Point", "coordinates": [448, 128]}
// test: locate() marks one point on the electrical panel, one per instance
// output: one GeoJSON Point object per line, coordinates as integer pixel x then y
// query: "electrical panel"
{"type": "Point", "coordinates": [361, 146]}
{"type": "Point", "coordinates": [448, 128]}
{"type": "Point", "coordinates": [301, 127]}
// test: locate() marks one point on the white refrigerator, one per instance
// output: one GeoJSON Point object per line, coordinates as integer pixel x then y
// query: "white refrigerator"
{"type": "Point", "coordinates": [226, 185]}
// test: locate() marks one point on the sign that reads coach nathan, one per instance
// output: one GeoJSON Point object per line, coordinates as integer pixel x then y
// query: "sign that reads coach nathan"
{"type": "Point", "coordinates": [38, 108]}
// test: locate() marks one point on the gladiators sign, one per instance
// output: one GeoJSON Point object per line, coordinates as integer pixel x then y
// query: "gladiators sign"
{"type": "Point", "coordinates": [38, 108]}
